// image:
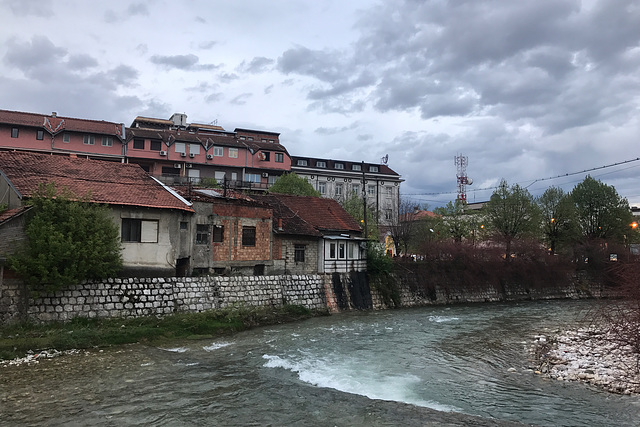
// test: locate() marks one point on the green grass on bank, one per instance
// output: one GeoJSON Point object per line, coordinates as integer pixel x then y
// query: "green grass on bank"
{"type": "Point", "coordinates": [82, 333]}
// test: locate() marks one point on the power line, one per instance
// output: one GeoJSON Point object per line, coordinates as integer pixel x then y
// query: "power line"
{"type": "Point", "coordinates": [537, 180]}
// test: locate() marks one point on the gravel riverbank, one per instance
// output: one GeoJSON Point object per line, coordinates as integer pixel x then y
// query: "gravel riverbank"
{"type": "Point", "coordinates": [588, 355]}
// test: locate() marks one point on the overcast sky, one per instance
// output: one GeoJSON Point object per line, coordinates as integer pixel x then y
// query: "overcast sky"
{"type": "Point", "coordinates": [526, 89]}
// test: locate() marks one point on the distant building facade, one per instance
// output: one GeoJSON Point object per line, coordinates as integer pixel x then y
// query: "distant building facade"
{"type": "Point", "coordinates": [339, 180]}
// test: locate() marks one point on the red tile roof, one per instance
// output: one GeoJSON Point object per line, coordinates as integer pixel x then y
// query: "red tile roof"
{"type": "Point", "coordinates": [55, 124]}
{"type": "Point", "coordinates": [311, 216]}
{"type": "Point", "coordinates": [206, 139]}
{"type": "Point", "coordinates": [106, 182]}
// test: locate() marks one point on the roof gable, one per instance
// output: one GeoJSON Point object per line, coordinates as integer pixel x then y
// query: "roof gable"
{"type": "Point", "coordinates": [104, 182]}
{"type": "Point", "coordinates": [55, 124]}
{"type": "Point", "coordinates": [308, 213]}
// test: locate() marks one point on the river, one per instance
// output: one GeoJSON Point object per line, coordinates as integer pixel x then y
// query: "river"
{"type": "Point", "coordinates": [361, 368]}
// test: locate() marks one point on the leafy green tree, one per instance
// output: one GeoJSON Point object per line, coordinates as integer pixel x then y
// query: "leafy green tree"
{"type": "Point", "coordinates": [291, 183]}
{"type": "Point", "coordinates": [355, 207]}
{"type": "Point", "coordinates": [512, 214]}
{"type": "Point", "coordinates": [67, 241]}
{"type": "Point", "coordinates": [601, 212]}
{"type": "Point", "coordinates": [558, 218]}
{"type": "Point", "coordinates": [454, 222]}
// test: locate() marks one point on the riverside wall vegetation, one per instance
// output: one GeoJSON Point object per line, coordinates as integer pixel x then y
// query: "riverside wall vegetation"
{"type": "Point", "coordinates": [133, 297]}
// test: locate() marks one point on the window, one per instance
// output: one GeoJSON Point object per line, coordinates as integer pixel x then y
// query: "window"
{"type": "Point", "coordinates": [339, 189]}
{"type": "Point", "coordinates": [233, 153]}
{"type": "Point", "coordinates": [266, 156]}
{"type": "Point", "coordinates": [273, 179]}
{"type": "Point", "coordinates": [107, 141]}
{"type": "Point", "coordinates": [169, 171]}
{"type": "Point", "coordinates": [341, 250]}
{"type": "Point", "coordinates": [218, 151]}
{"type": "Point", "coordinates": [279, 157]}
{"type": "Point", "coordinates": [39, 135]}
{"type": "Point", "coordinates": [298, 253]}
{"type": "Point", "coordinates": [302, 162]}
{"type": "Point", "coordinates": [356, 167]}
{"type": "Point", "coordinates": [373, 169]}
{"type": "Point", "coordinates": [202, 234]}
{"type": "Point", "coordinates": [242, 138]}
{"type": "Point", "coordinates": [184, 225]}
{"type": "Point", "coordinates": [14, 132]}
{"type": "Point", "coordinates": [248, 236]}
{"type": "Point", "coordinates": [155, 145]}
{"type": "Point", "coordinates": [356, 189]}
{"type": "Point", "coordinates": [219, 176]}
{"type": "Point", "coordinates": [339, 165]}
{"type": "Point", "coordinates": [350, 250]}
{"type": "Point", "coordinates": [322, 187]}
{"type": "Point", "coordinates": [180, 147]}
{"type": "Point", "coordinates": [371, 190]}
{"type": "Point", "coordinates": [387, 214]}
{"type": "Point", "coordinates": [264, 139]}
{"type": "Point", "coordinates": [252, 177]}
{"type": "Point", "coordinates": [89, 139]}
{"type": "Point", "coordinates": [138, 143]}
{"type": "Point", "coordinates": [139, 230]}
{"type": "Point", "coordinates": [194, 148]}
{"type": "Point", "coordinates": [250, 138]}
{"type": "Point", "coordinates": [66, 137]}
{"type": "Point", "coordinates": [321, 164]}
{"type": "Point", "coordinates": [218, 233]}
{"type": "Point", "coordinates": [389, 191]}
{"type": "Point", "coordinates": [332, 250]}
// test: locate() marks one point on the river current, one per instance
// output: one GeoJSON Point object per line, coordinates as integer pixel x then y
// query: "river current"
{"type": "Point", "coordinates": [362, 368]}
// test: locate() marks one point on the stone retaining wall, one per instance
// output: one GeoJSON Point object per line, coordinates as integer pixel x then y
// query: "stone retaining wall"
{"type": "Point", "coordinates": [160, 296]}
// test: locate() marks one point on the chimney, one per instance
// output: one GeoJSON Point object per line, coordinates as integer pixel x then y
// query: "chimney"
{"type": "Point", "coordinates": [54, 114]}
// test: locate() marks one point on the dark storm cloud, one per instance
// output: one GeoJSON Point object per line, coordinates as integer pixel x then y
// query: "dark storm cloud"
{"type": "Point", "coordinates": [187, 62]}
{"type": "Point", "coordinates": [259, 64]}
{"type": "Point", "coordinates": [554, 64]}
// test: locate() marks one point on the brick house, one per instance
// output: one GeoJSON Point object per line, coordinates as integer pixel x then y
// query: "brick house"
{"type": "Point", "coordinates": [233, 233]}
{"type": "Point", "coordinates": [314, 235]}
{"type": "Point", "coordinates": [149, 215]}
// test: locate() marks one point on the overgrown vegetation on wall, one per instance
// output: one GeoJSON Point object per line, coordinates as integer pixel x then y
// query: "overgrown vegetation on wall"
{"type": "Point", "coordinates": [68, 241]}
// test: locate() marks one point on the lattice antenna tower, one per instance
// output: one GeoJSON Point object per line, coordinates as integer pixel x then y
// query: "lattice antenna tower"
{"type": "Point", "coordinates": [461, 163]}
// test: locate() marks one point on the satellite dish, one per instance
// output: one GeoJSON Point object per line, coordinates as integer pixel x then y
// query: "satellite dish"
{"type": "Point", "coordinates": [385, 159]}
{"type": "Point", "coordinates": [469, 181]}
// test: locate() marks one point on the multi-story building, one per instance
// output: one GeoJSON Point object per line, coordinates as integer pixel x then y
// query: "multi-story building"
{"type": "Point", "coordinates": [53, 134]}
{"type": "Point", "coordinates": [179, 151]}
{"type": "Point", "coordinates": [339, 180]}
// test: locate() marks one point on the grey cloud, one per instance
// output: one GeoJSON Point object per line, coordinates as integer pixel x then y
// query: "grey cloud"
{"type": "Point", "coordinates": [207, 45]}
{"type": "Point", "coordinates": [187, 62]}
{"type": "Point", "coordinates": [214, 97]}
{"type": "Point", "coordinates": [43, 8]}
{"type": "Point", "coordinates": [268, 89]}
{"type": "Point", "coordinates": [228, 77]}
{"type": "Point", "coordinates": [323, 65]}
{"type": "Point", "coordinates": [241, 99]}
{"type": "Point", "coordinates": [258, 64]}
{"type": "Point", "coordinates": [138, 9]}
{"type": "Point", "coordinates": [335, 130]}
{"type": "Point", "coordinates": [39, 52]}
{"type": "Point", "coordinates": [82, 61]}
{"type": "Point", "coordinates": [110, 16]}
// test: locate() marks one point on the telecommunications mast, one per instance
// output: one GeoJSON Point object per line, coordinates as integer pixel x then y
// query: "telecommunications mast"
{"type": "Point", "coordinates": [461, 176]}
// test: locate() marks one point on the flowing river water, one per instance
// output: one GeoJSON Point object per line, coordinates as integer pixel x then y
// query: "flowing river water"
{"type": "Point", "coordinates": [443, 365]}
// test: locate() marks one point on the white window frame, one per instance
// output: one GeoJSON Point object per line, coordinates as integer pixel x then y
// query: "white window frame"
{"type": "Point", "coordinates": [322, 187]}
{"type": "Point", "coordinates": [194, 148]}
{"type": "Point", "coordinates": [89, 139]}
{"type": "Point", "coordinates": [338, 166]}
{"type": "Point", "coordinates": [233, 153]}
{"type": "Point", "coordinates": [66, 137]}
{"type": "Point", "coordinates": [218, 151]}
{"type": "Point", "coordinates": [107, 141]}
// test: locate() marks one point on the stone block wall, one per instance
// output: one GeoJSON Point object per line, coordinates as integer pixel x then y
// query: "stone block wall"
{"type": "Point", "coordinates": [161, 296]}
